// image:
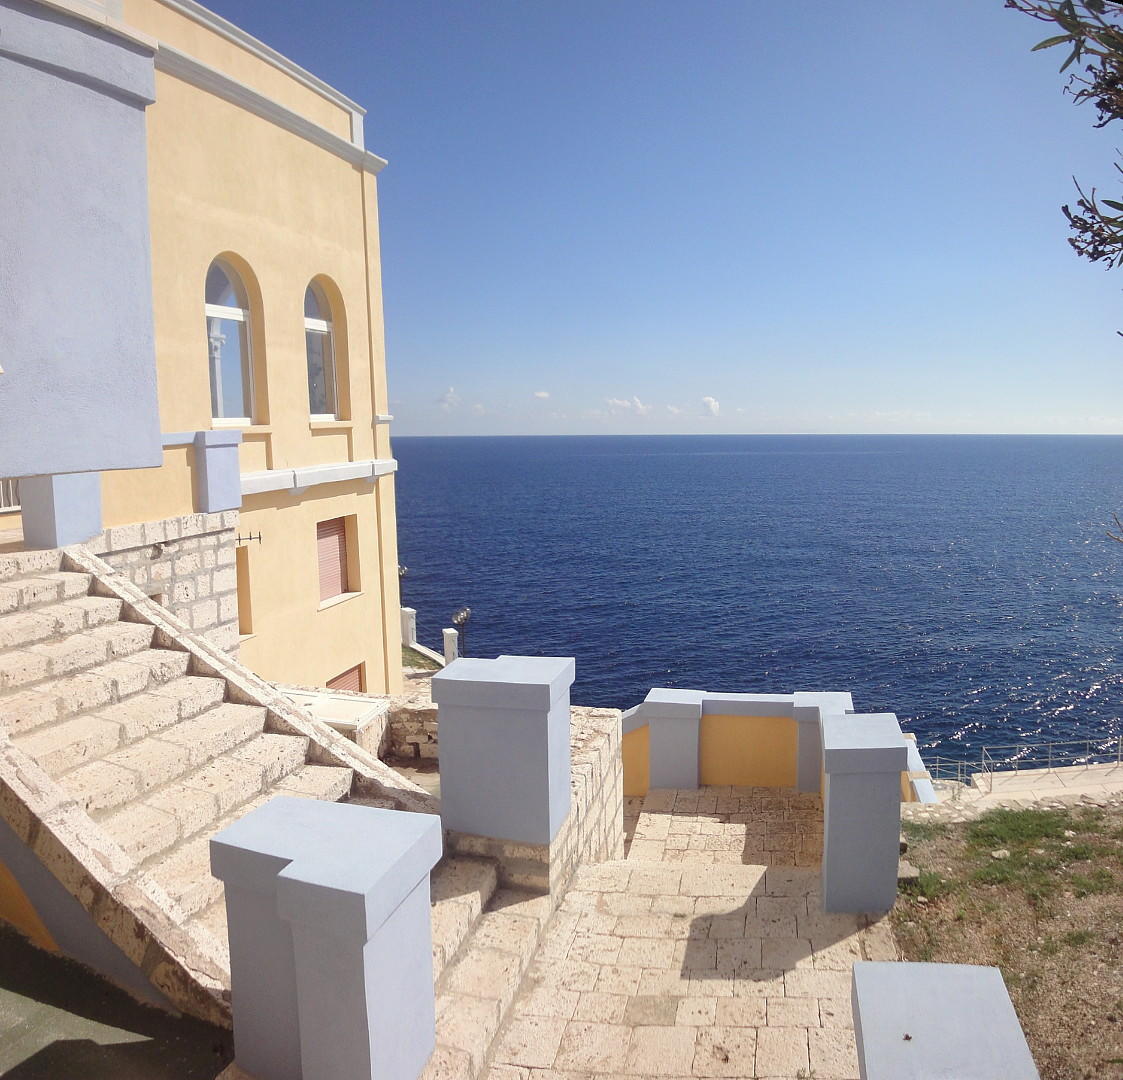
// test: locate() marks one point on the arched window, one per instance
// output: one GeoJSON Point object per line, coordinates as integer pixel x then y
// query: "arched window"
{"type": "Point", "coordinates": [322, 400]}
{"type": "Point", "coordinates": [228, 344]}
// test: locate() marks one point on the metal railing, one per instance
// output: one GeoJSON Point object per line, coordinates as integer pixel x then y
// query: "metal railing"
{"type": "Point", "coordinates": [1015, 757]}
{"type": "Point", "coordinates": [1065, 753]}
{"type": "Point", "coordinates": [9, 495]}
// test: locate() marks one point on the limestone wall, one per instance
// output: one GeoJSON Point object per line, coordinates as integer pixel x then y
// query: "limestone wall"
{"type": "Point", "coordinates": [187, 563]}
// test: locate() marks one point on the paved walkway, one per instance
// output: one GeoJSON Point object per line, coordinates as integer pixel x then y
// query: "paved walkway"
{"type": "Point", "coordinates": [704, 953]}
{"type": "Point", "coordinates": [1069, 786]}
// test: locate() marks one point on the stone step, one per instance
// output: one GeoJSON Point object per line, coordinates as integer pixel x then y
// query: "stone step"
{"type": "Point", "coordinates": [164, 704]}
{"type": "Point", "coordinates": [26, 593]}
{"type": "Point", "coordinates": [76, 653]}
{"type": "Point", "coordinates": [185, 872]}
{"type": "Point", "coordinates": [460, 887]}
{"type": "Point", "coordinates": [100, 686]}
{"type": "Point", "coordinates": [17, 564]}
{"type": "Point", "coordinates": [59, 747]}
{"type": "Point", "coordinates": [22, 628]}
{"type": "Point", "coordinates": [478, 988]}
{"type": "Point", "coordinates": [197, 744]}
{"type": "Point", "coordinates": [182, 808]}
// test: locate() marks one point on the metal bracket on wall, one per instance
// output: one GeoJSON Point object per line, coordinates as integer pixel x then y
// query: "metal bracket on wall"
{"type": "Point", "coordinates": [247, 539]}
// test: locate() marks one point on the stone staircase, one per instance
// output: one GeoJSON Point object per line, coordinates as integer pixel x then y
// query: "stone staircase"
{"type": "Point", "coordinates": [127, 742]}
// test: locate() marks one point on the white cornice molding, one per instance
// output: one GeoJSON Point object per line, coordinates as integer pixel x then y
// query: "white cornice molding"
{"type": "Point", "coordinates": [182, 66]}
{"type": "Point", "coordinates": [225, 28]}
{"type": "Point", "coordinates": [105, 14]}
{"type": "Point", "coordinates": [254, 483]}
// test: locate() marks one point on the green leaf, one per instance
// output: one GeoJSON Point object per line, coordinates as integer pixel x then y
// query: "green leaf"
{"type": "Point", "coordinates": [1074, 55]}
{"type": "Point", "coordinates": [1048, 43]}
{"type": "Point", "coordinates": [1113, 204]}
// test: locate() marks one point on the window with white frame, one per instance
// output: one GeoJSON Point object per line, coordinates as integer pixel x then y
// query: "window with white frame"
{"type": "Point", "coordinates": [228, 345]}
{"type": "Point", "coordinates": [319, 346]}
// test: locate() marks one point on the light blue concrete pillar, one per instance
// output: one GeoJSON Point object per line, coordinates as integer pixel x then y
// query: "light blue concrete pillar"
{"type": "Point", "coordinates": [505, 746]}
{"type": "Point", "coordinates": [60, 510]}
{"type": "Point", "coordinates": [863, 757]}
{"type": "Point", "coordinates": [674, 719]}
{"type": "Point", "coordinates": [218, 480]}
{"type": "Point", "coordinates": [925, 1021]}
{"type": "Point", "coordinates": [808, 710]}
{"type": "Point", "coordinates": [79, 359]}
{"type": "Point", "coordinates": [330, 944]}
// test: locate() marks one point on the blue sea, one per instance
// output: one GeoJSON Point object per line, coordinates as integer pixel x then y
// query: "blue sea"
{"type": "Point", "coordinates": [963, 582]}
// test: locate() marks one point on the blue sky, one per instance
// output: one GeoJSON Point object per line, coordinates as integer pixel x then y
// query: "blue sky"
{"type": "Point", "coordinates": [639, 216]}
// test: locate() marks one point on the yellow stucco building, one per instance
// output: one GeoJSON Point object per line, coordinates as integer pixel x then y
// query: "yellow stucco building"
{"type": "Point", "coordinates": [267, 312]}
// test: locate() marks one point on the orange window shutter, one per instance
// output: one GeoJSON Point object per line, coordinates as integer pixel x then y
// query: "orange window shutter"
{"type": "Point", "coordinates": [331, 550]}
{"type": "Point", "coordinates": [351, 679]}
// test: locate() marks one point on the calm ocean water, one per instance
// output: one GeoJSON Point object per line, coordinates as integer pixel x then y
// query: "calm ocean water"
{"type": "Point", "coordinates": [963, 582]}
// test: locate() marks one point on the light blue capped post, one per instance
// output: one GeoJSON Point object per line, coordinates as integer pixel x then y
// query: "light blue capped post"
{"type": "Point", "coordinates": [330, 944]}
{"type": "Point", "coordinates": [505, 746]}
{"type": "Point", "coordinates": [863, 758]}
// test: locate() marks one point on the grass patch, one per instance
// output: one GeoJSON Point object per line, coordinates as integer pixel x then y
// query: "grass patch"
{"type": "Point", "coordinates": [922, 830]}
{"type": "Point", "coordinates": [1016, 828]}
{"type": "Point", "coordinates": [929, 884]}
{"type": "Point", "coordinates": [1076, 938]}
{"type": "Point", "coordinates": [1099, 880]}
{"type": "Point", "coordinates": [412, 658]}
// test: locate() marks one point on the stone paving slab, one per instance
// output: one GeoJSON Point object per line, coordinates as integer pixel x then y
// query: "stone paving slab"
{"type": "Point", "coordinates": [708, 961]}
{"type": "Point", "coordinates": [726, 826]}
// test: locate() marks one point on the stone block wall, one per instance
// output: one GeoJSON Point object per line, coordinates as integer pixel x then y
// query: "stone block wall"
{"type": "Point", "coordinates": [594, 830]}
{"type": "Point", "coordinates": [188, 562]}
{"type": "Point", "coordinates": [411, 731]}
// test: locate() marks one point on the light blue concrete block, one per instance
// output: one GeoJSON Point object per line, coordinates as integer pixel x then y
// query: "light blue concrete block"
{"type": "Point", "coordinates": [673, 718]}
{"type": "Point", "coordinates": [79, 381]}
{"type": "Point", "coordinates": [218, 482]}
{"type": "Point", "coordinates": [60, 510]}
{"type": "Point", "coordinates": [863, 757]}
{"type": "Point", "coordinates": [505, 746]}
{"type": "Point", "coordinates": [937, 1022]}
{"type": "Point", "coordinates": [922, 787]}
{"type": "Point", "coordinates": [747, 705]}
{"type": "Point", "coordinates": [808, 710]}
{"type": "Point", "coordinates": [330, 943]}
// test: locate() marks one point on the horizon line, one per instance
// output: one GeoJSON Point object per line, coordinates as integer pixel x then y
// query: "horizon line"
{"type": "Point", "coordinates": [776, 435]}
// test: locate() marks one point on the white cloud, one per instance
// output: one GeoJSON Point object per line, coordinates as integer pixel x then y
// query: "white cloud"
{"type": "Point", "coordinates": [711, 405]}
{"type": "Point", "coordinates": [634, 405]}
{"type": "Point", "coordinates": [449, 400]}
{"type": "Point", "coordinates": [542, 395]}
{"type": "Point", "coordinates": [478, 409]}
{"type": "Point", "coordinates": [674, 410]}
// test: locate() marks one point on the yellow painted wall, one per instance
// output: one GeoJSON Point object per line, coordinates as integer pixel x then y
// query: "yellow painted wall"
{"type": "Point", "coordinates": [296, 639]}
{"type": "Point", "coordinates": [197, 41]}
{"type": "Point", "coordinates": [635, 749]}
{"type": "Point", "coordinates": [151, 493]}
{"type": "Point", "coordinates": [17, 909]}
{"type": "Point", "coordinates": [282, 211]}
{"type": "Point", "coordinates": [748, 751]}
